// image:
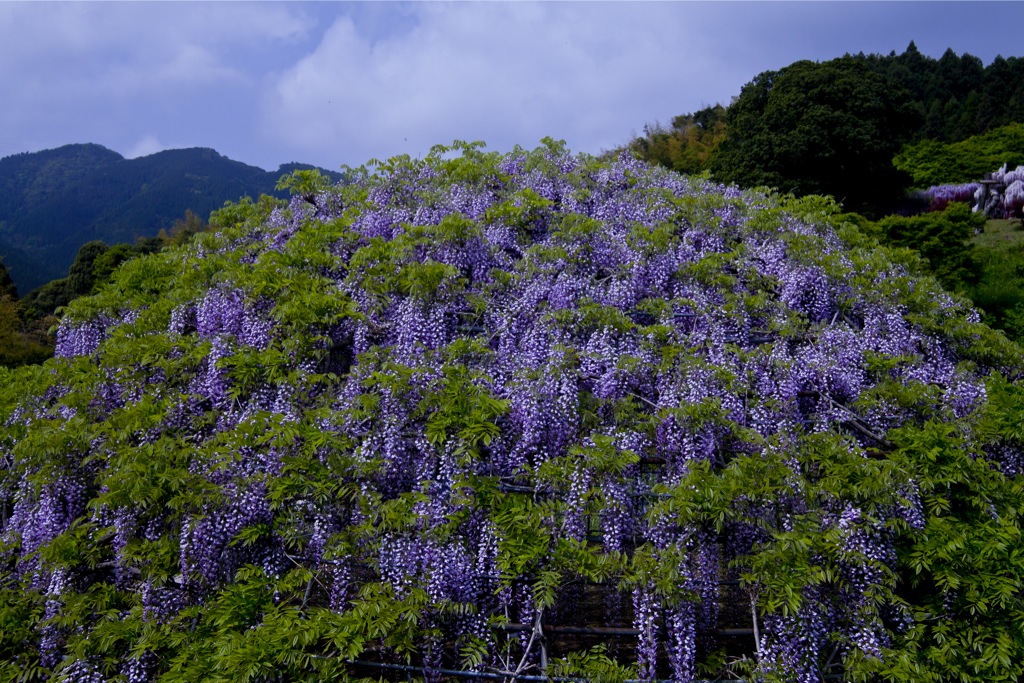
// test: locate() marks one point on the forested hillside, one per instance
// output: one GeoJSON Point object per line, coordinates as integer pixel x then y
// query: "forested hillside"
{"type": "Point", "coordinates": [932, 162]}
{"type": "Point", "coordinates": [535, 414]}
{"type": "Point", "coordinates": [52, 202]}
{"type": "Point", "coordinates": [834, 127]}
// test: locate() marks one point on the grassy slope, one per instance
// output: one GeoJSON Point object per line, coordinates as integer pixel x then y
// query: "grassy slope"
{"type": "Point", "coordinates": [1001, 289]}
{"type": "Point", "coordinates": [1000, 234]}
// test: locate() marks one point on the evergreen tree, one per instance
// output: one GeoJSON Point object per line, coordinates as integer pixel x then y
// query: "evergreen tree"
{"type": "Point", "coordinates": [7, 286]}
{"type": "Point", "coordinates": [828, 128]}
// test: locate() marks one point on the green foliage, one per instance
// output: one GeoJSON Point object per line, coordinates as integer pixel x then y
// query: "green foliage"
{"type": "Point", "coordinates": [593, 665]}
{"type": "Point", "coordinates": [304, 183]}
{"type": "Point", "coordinates": [688, 145]}
{"type": "Point", "coordinates": [988, 268]}
{"type": "Point", "coordinates": [20, 613]}
{"type": "Point", "coordinates": [833, 127]}
{"type": "Point", "coordinates": [19, 346]}
{"type": "Point", "coordinates": [957, 95]}
{"type": "Point", "coordinates": [105, 263]}
{"type": "Point", "coordinates": [999, 290]}
{"type": "Point", "coordinates": [182, 230]}
{"type": "Point", "coordinates": [94, 267]}
{"type": "Point", "coordinates": [46, 300]}
{"type": "Point", "coordinates": [829, 128]}
{"type": "Point", "coordinates": [967, 562]}
{"type": "Point", "coordinates": [943, 239]}
{"type": "Point", "coordinates": [80, 275]}
{"type": "Point", "coordinates": [20, 343]}
{"type": "Point", "coordinates": [461, 410]}
{"type": "Point", "coordinates": [930, 162]}
{"type": "Point", "coordinates": [1013, 320]}
{"type": "Point", "coordinates": [7, 286]}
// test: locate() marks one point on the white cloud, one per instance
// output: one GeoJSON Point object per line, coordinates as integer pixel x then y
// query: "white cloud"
{"type": "Point", "coordinates": [332, 83]}
{"type": "Point", "coordinates": [112, 72]}
{"type": "Point", "coordinates": [148, 144]}
{"type": "Point", "coordinates": [127, 48]}
{"type": "Point", "coordinates": [507, 73]}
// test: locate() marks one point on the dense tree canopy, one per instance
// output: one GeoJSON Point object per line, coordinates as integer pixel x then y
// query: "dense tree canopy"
{"type": "Point", "coordinates": [687, 146]}
{"type": "Point", "coordinates": [17, 345]}
{"type": "Point", "coordinates": [439, 417]}
{"type": "Point", "coordinates": [931, 162]}
{"type": "Point", "coordinates": [948, 99]}
{"type": "Point", "coordinates": [943, 239]}
{"type": "Point", "coordinates": [7, 286]}
{"type": "Point", "coordinates": [811, 128]}
{"type": "Point", "coordinates": [94, 264]}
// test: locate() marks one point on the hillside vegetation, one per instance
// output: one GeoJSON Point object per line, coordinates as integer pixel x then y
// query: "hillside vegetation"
{"type": "Point", "coordinates": [999, 288]}
{"type": "Point", "coordinates": [437, 418]}
{"type": "Point", "coordinates": [834, 127]}
{"type": "Point", "coordinates": [52, 202]}
{"type": "Point", "coordinates": [931, 162]}
{"type": "Point", "coordinates": [28, 324]}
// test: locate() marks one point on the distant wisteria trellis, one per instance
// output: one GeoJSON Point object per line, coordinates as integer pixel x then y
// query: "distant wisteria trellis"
{"type": "Point", "coordinates": [1002, 198]}
{"type": "Point", "coordinates": [454, 387]}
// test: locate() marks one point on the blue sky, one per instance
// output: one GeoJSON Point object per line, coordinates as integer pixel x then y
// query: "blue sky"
{"type": "Point", "coordinates": [335, 83]}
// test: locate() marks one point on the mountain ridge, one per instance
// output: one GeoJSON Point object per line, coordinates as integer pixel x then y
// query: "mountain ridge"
{"type": "Point", "coordinates": [53, 201]}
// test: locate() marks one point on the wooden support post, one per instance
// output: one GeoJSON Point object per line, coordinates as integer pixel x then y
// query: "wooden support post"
{"type": "Point", "coordinates": [757, 632]}
{"type": "Point", "coordinates": [539, 625]}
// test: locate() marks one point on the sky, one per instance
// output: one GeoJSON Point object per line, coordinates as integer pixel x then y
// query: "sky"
{"type": "Point", "coordinates": [339, 83]}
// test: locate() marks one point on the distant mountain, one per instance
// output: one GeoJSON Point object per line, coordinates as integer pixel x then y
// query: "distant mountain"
{"type": "Point", "coordinates": [53, 201]}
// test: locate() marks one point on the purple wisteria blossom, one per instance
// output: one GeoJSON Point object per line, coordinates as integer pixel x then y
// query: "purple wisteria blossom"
{"type": "Point", "coordinates": [434, 412]}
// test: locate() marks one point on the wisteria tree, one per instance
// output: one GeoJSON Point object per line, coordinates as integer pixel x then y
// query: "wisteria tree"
{"type": "Point", "coordinates": [1001, 195]}
{"type": "Point", "coordinates": [514, 416]}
